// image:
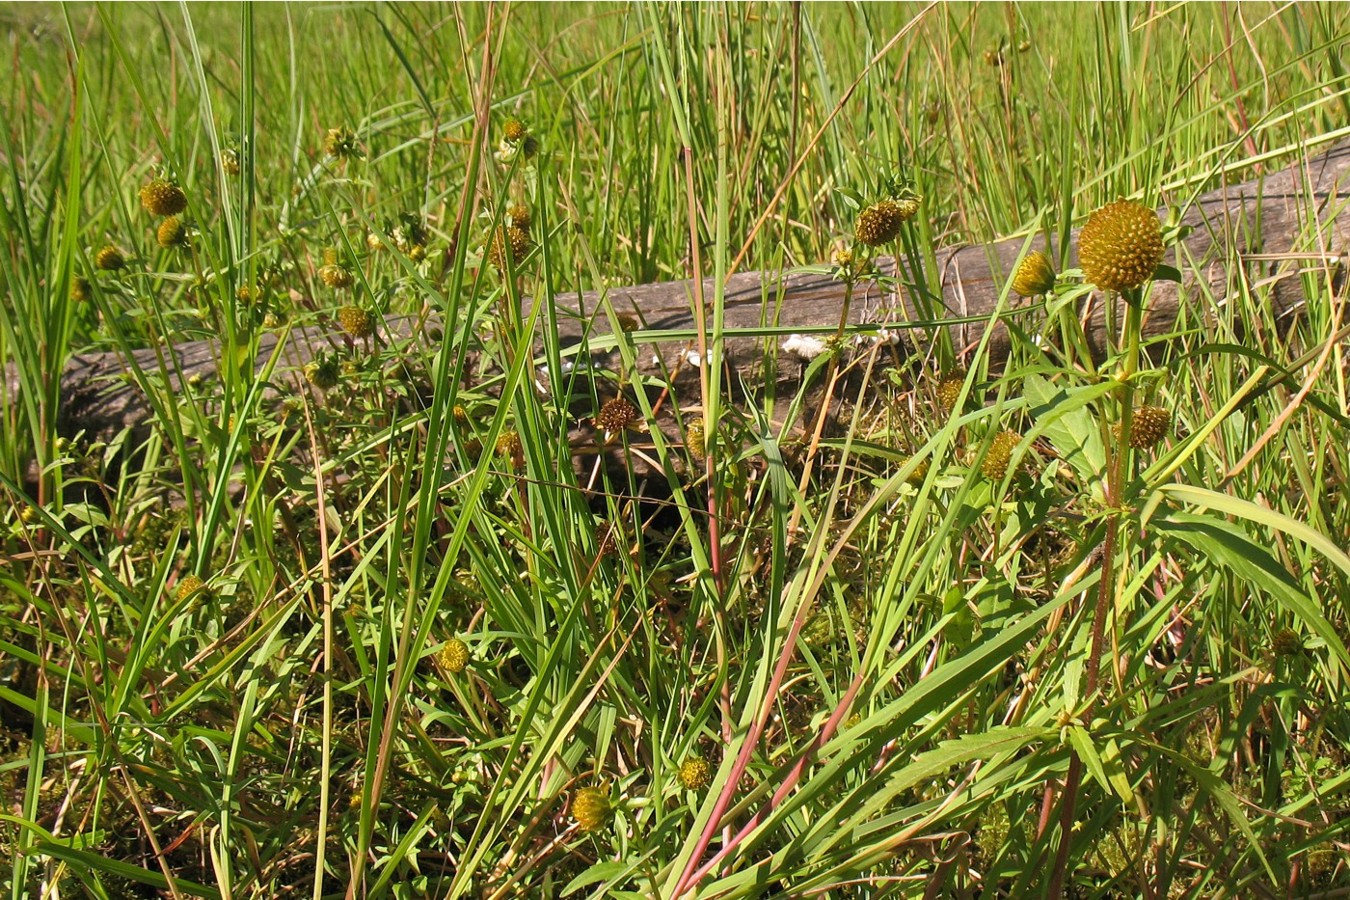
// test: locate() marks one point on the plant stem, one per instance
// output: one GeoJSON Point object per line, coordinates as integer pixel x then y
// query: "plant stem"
{"type": "Point", "coordinates": [1115, 490]}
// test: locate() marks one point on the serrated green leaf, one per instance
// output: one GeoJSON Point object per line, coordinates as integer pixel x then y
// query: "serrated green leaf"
{"type": "Point", "coordinates": [1061, 414]}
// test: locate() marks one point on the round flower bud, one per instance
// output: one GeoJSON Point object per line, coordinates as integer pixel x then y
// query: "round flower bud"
{"type": "Point", "coordinates": [356, 322]}
{"type": "Point", "coordinates": [1148, 427]}
{"type": "Point", "coordinates": [519, 216]}
{"type": "Point", "coordinates": [591, 808]}
{"type": "Point", "coordinates": [322, 373]}
{"type": "Point", "coordinates": [172, 233]}
{"type": "Point", "coordinates": [1120, 246]}
{"type": "Point", "coordinates": [920, 471]}
{"type": "Point", "coordinates": [512, 240]}
{"type": "Point", "coordinates": [80, 289]}
{"type": "Point", "coordinates": [274, 319]}
{"type": "Point", "coordinates": [162, 197]}
{"type": "Point", "coordinates": [409, 235]}
{"type": "Point", "coordinates": [879, 223]}
{"type": "Point", "coordinates": [1286, 643]}
{"type": "Point", "coordinates": [949, 389]}
{"type": "Point", "coordinates": [109, 259]}
{"type": "Point", "coordinates": [995, 464]}
{"type": "Point", "coordinates": [515, 131]}
{"type": "Point", "coordinates": [453, 658]}
{"type": "Point", "coordinates": [1035, 275]}
{"type": "Point", "coordinates": [229, 161]}
{"type": "Point", "coordinates": [695, 773]}
{"type": "Point", "coordinates": [191, 586]}
{"type": "Point", "coordinates": [616, 415]}
{"type": "Point", "coordinates": [333, 273]}
{"type": "Point", "coordinates": [695, 439]}
{"type": "Point", "coordinates": [509, 445]}
{"type": "Point", "coordinates": [341, 144]}
{"type": "Point", "coordinates": [606, 541]}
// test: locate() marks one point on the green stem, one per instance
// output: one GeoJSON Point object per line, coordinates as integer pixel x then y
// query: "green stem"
{"type": "Point", "coordinates": [1116, 479]}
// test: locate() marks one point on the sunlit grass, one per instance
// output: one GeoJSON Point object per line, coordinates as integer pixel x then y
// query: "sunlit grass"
{"type": "Point", "coordinates": [440, 647]}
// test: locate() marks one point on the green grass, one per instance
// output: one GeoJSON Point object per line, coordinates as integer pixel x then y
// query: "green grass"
{"type": "Point", "coordinates": [884, 653]}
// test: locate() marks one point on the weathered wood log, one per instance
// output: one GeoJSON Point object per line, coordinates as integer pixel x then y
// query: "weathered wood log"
{"type": "Point", "coordinates": [1256, 221]}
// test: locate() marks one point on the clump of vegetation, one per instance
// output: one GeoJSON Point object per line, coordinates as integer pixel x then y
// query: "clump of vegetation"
{"type": "Point", "coordinates": [407, 556]}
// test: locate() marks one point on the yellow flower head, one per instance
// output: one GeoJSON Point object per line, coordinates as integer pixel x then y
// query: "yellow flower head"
{"type": "Point", "coordinates": [172, 233]}
{"type": "Point", "coordinates": [695, 773]}
{"type": "Point", "coordinates": [1035, 275]}
{"type": "Point", "coordinates": [110, 259]}
{"type": "Point", "coordinates": [591, 808]}
{"type": "Point", "coordinates": [453, 658]}
{"type": "Point", "coordinates": [1148, 427]}
{"type": "Point", "coordinates": [356, 322]}
{"type": "Point", "coordinates": [995, 464]}
{"type": "Point", "coordinates": [1120, 246]}
{"type": "Point", "coordinates": [162, 197]}
{"type": "Point", "coordinates": [880, 223]}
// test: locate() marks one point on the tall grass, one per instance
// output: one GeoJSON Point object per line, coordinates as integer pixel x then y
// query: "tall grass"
{"type": "Point", "coordinates": [882, 651]}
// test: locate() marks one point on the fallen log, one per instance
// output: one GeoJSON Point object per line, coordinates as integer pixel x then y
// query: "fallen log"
{"type": "Point", "coordinates": [1259, 221]}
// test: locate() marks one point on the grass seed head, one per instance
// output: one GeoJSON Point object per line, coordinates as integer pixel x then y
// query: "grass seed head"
{"type": "Point", "coordinates": [358, 323]}
{"type": "Point", "coordinates": [591, 808]}
{"type": "Point", "coordinates": [1120, 246]}
{"type": "Point", "coordinates": [172, 233]}
{"type": "Point", "coordinates": [880, 223]}
{"type": "Point", "coordinates": [109, 259]}
{"type": "Point", "coordinates": [996, 461]}
{"type": "Point", "coordinates": [695, 773]}
{"type": "Point", "coordinates": [161, 197]}
{"type": "Point", "coordinates": [453, 658]}
{"type": "Point", "coordinates": [1035, 275]}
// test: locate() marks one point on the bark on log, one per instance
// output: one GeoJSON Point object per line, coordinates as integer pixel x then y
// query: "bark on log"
{"type": "Point", "coordinates": [1267, 217]}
